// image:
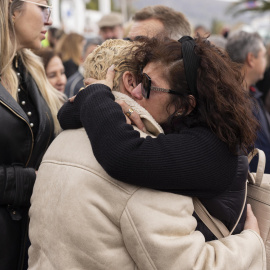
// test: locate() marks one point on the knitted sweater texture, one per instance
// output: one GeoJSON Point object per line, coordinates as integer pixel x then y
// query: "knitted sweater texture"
{"type": "Point", "coordinates": [191, 162]}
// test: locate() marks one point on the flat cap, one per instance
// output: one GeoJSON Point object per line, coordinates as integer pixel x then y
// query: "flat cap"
{"type": "Point", "coordinates": [110, 20]}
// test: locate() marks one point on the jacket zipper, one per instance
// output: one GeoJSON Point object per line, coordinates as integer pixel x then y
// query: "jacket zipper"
{"type": "Point", "coordinates": [28, 126]}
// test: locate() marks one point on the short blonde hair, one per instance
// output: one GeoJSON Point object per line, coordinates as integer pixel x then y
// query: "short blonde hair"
{"type": "Point", "coordinates": [112, 51]}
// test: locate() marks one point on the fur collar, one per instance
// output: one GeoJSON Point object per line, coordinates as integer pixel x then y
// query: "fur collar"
{"type": "Point", "coordinates": [150, 123]}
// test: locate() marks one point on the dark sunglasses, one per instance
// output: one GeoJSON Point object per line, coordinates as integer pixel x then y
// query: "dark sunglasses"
{"type": "Point", "coordinates": [146, 87]}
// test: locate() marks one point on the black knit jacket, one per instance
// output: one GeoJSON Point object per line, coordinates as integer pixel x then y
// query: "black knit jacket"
{"type": "Point", "coordinates": [191, 162]}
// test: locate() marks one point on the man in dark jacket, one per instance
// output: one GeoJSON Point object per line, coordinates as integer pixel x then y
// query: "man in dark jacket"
{"type": "Point", "coordinates": [248, 49]}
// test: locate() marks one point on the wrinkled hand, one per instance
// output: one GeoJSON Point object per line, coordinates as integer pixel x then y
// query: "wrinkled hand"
{"type": "Point", "coordinates": [133, 118]}
{"type": "Point", "coordinates": [108, 81]}
{"type": "Point", "coordinates": [251, 221]}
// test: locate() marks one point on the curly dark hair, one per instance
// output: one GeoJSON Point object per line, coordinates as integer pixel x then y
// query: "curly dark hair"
{"type": "Point", "coordinates": [222, 103]}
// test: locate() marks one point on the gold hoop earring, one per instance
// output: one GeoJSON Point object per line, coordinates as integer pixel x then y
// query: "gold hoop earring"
{"type": "Point", "coordinates": [13, 20]}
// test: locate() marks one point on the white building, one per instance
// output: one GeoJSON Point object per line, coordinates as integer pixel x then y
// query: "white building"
{"type": "Point", "coordinates": [75, 18]}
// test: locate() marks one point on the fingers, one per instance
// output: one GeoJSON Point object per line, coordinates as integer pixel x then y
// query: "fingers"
{"type": "Point", "coordinates": [89, 81]}
{"type": "Point", "coordinates": [108, 81]}
{"type": "Point", "coordinates": [123, 105]}
{"type": "Point", "coordinates": [132, 115]}
{"type": "Point", "coordinates": [110, 72]}
{"type": "Point", "coordinates": [137, 121]}
{"type": "Point", "coordinates": [128, 121]}
{"type": "Point", "coordinates": [72, 99]}
{"type": "Point", "coordinates": [251, 221]}
{"type": "Point", "coordinates": [250, 213]}
{"type": "Point", "coordinates": [110, 76]}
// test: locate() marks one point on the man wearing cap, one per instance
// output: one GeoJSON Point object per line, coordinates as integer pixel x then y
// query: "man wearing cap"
{"type": "Point", "coordinates": [111, 26]}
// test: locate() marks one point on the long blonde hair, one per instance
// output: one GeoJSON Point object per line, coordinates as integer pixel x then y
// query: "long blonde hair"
{"type": "Point", "coordinates": [31, 62]}
{"type": "Point", "coordinates": [70, 47]}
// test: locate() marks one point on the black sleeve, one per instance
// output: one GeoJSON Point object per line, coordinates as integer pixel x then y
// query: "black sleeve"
{"type": "Point", "coordinates": [16, 185]}
{"type": "Point", "coordinates": [181, 163]}
{"type": "Point", "coordinates": [69, 115]}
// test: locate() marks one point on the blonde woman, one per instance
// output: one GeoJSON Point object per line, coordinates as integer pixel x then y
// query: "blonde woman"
{"type": "Point", "coordinates": [28, 108]}
{"type": "Point", "coordinates": [70, 48]}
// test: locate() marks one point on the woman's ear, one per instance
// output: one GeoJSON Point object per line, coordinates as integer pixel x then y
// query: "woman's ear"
{"type": "Point", "coordinates": [192, 102]}
{"type": "Point", "coordinates": [250, 59]}
{"type": "Point", "coordinates": [129, 81]}
{"type": "Point", "coordinates": [192, 105]}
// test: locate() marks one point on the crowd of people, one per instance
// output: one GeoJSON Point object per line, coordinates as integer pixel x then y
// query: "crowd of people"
{"type": "Point", "coordinates": [107, 139]}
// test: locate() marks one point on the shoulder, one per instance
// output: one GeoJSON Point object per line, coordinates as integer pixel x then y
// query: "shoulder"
{"type": "Point", "coordinates": [202, 136]}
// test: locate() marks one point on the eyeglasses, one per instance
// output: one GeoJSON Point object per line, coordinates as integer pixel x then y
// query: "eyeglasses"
{"type": "Point", "coordinates": [146, 87]}
{"type": "Point", "coordinates": [46, 10]}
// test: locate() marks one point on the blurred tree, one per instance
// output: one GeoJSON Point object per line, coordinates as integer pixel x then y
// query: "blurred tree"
{"type": "Point", "coordinates": [93, 4]}
{"type": "Point", "coordinates": [217, 27]}
{"type": "Point", "coordinates": [242, 6]}
{"type": "Point", "coordinates": [113, 7]}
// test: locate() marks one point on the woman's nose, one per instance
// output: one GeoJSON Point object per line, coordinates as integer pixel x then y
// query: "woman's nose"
{"type": "Point", "coordinates": [49, 22]}
{"type": "Point", "coordinates": [61, 79]}
{"type": "Point", "coordinates": [137, 92]}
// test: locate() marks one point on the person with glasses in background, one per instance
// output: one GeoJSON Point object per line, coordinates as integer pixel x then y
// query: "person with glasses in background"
{"type": "Point", "coordinates": [28, 109]}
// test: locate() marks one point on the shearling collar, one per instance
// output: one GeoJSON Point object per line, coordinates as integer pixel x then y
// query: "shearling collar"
{"type": "Point", "coordinates": [150, 123]}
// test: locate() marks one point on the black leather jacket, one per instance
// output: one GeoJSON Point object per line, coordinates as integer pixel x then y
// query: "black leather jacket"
{"type": "Point", "coordinates": [20, 157]}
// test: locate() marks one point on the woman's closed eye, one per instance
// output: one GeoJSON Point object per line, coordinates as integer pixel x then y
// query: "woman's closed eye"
{"type": "Point", "coordinates": [52, 75]}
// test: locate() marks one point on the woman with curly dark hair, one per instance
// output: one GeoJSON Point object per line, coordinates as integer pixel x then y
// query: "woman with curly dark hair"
{"type": "Point", "coordinates": [209, 126]}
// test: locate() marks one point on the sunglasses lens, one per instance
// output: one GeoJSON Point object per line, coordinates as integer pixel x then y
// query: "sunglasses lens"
{"type": "Point", "coordinates": [146, 85]}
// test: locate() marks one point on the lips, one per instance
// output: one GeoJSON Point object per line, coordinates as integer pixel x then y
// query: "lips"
{"type": "Point", "coordinates": [60, 88]}
{"type": "Point", "coordinates": [43, 33]}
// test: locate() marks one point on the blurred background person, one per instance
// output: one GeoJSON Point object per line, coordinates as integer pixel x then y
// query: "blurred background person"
{"type": "Point", "coordinates": [264, 85]}
{"type": "Point", "coordinates": [127, 27]}
{"type": "Point", "coordinates": [75, 82]}
{"type": "Point", "coordinates": [153, 20]}
{"type": "Point", "coordinates": [28, 109]}
{"type": "Point", "coordinates": [218, 40]}
{"type": "Point", "coordinates": [70, 49]}
{"type": "Point", "coordinates": [248, 49]}
{"type": "Point", "coordinates": [54, 68]}
{"type": "Point", "coordinates": [111, 26]}
{"type": "Point", "coordinates": [201, 31]}
{"type": "Point", "coordinates": [54, 34]}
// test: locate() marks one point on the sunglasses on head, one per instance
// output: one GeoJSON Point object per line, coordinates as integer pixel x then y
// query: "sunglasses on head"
{"type": "Point", "coordinates": [146, 87]}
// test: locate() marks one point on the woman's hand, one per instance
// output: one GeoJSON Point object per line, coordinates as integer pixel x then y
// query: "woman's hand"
{"type": "Point", "coordinates": [251, 221]}
{"type": "Point", "coordinates": [131, 116]}
{"type": "Point", "coordinates": [108, 81]}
